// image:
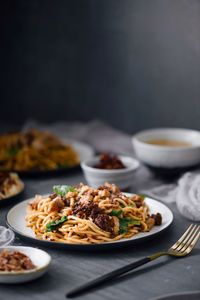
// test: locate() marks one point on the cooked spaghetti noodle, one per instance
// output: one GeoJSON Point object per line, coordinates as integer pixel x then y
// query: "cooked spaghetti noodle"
{"type": "Point", "coordinates": [34, 150]}
{"type": "Point", "coordinates": [84, 215]}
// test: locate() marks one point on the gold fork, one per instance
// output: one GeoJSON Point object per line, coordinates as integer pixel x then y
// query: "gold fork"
{"type": "Point", "coordinates": [184, 245]}
{"type": "Point", "coordinates": [181, 248]}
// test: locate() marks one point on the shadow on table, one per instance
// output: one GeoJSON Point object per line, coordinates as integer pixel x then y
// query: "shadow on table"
{"type": "Point", "coordinates": [49, 282]}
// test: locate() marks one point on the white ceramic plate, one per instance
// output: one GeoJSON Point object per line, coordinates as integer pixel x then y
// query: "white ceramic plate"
{"type": "Point", "coordinates": [40, 259]}
{"type": "Point", "coordinates": [16, 221]}
{"type": "Point", "coordinates": [84, 151]}
{"type": "Point", "coordinates": [12, 199]}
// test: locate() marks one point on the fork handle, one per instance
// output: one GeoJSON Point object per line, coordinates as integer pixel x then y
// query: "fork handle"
{"type": "Point", "coordinates": [109, 276]}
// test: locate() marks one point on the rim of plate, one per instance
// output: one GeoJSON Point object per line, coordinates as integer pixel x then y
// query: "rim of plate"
{"type": "Point", "coordinates": [134, 239]}
{"type": "Point", "coordinates": [138, 138]}
{"type": "Point", "coordinates": [21, 190]}
{"type": "Point", "coordinates": [13, 198]}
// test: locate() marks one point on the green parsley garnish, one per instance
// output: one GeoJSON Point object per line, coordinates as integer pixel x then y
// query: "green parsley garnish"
{"type": "Point", "coordinates": [116, 213]}
{"type": "Point", "coordinates": [124, 223]}
{"type": "Point", "coordinates": [63, 165]}
{"type": "Point", "coordinates": [142, 196]}
{"type": "Point", "coordinates": [13, 150]}
{"type": "Point", "coordinates": [55, 224]}
{"type": "Point", "coordinates": [62, 190]}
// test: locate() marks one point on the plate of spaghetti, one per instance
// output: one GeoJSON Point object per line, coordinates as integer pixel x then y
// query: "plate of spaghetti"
{"type": "Point", "coordinates": [34, 151]}
{"type": "Point", "coordinates": [81, 216]}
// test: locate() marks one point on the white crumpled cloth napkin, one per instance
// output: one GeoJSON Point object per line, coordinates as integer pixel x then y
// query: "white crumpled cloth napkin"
{"type": "Point", "coordinates": [186, 194]}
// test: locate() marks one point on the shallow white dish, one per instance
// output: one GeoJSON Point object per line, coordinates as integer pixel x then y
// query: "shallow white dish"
{"type": "Point", "coordinates": [16, 221]}
{"type": "Point", "coordinates": [121, 177]}
{"type": "Point", "coordinates": [40, 259]}
{"type": "Point", "coordinates": [166, 156]}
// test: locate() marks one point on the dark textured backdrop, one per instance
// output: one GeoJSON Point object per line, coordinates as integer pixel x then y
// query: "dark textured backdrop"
{"type": "Point", "coordinates": [134, 63]}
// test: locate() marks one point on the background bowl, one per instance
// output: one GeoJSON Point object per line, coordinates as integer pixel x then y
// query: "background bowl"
{"type": "Point", "coordinates": [121, 177]}
{"type": "Point", "coordinates": [40, 259]}
{"type": "Point", "coordinates": [168, 156]}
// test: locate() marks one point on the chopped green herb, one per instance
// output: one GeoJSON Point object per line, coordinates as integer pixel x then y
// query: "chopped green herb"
{"type": "Point", "coordinates": [122, 205]}
{"type": "Point", "coordinates": [132, 205]}
{"type": "Point", "coordinates": [63, 165]}
{"type": "Point", "coordinates": [142, 196]}
{"type": "Point", "coordinates": [62, 190]}
{"type": "Point", "coordinates": [124, 224]}
{"type": "Point", "coordinates": [55, 224]}
{"type": "Point", "coordinates": [116, 213]}
{"type": "Point", "coordinates": [13, 150]}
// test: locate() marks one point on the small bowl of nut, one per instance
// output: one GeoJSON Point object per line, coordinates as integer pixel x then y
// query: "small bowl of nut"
{"type": "Point", "coordinates": [118, 169]}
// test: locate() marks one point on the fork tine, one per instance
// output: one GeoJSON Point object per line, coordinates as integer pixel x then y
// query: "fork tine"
{"type": "Point", "coordinates": [182, 237]}
{"type": "Point", "coordinates": [192, 241]}
{"type": "Point", "coordinates": [195, 239]}
{"type": "Point", "coordinates": [187, 238]}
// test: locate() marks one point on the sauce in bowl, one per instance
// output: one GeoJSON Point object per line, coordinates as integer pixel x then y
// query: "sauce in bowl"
{"type": "Point", "coordinates": [109, 162]}
{"type": "Point", "coordinates": [168, 143]}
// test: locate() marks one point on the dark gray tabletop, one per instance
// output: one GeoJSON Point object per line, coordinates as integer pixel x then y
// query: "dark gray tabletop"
{"type": "Point", "coordinates": [70, 269]}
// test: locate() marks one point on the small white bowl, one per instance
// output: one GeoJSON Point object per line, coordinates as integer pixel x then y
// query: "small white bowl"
{"type": "Point", "coordinates": [121, 177]}
{"type": "Point", "coordinates": [40, 259]}
{"type": "Point", "coordinates": [168, 156]}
